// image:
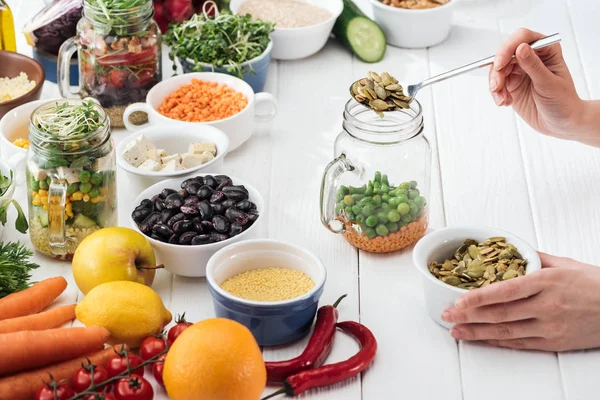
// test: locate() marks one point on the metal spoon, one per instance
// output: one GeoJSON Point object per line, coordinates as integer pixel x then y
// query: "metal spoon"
{"type": "Point", "coordinates": [412, 90]}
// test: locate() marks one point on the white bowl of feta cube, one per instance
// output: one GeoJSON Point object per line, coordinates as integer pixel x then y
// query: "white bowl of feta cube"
{"type": "Point", "coordinates": [165, 152]}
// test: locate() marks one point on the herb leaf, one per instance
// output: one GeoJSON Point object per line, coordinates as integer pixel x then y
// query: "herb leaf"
{"type": "Point", "coordinates": [21, 222]}
{"type": "Point", "coordinates": [15, 267]}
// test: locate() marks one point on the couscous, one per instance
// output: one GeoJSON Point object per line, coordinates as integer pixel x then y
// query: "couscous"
{"type": "Point", "coordinates": [269, 284]}
{"type": "Point", "coordinates": [11, 88]}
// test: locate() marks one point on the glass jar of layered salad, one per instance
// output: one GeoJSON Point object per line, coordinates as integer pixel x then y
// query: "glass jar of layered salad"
{"type": "Point", "coordinates": [71, 175]}
{"type": "Point", "coordinates": [119, 52]}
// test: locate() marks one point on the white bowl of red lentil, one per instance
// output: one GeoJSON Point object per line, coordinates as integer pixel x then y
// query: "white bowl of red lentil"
{"type": "Point", "coordinates": [271, 322]}
{"type": "Point", "coordinates": [297, 35]}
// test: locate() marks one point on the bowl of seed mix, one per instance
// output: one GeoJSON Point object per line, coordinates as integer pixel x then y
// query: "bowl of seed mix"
{"type": "Point", "coordinates": [271, 287]}
{"type": "Point", "coordinates": [414, 23]}
{"type": "Point", "coordinates": [455, 260]}
{"type": "Point", "coordinates": [302, 27]}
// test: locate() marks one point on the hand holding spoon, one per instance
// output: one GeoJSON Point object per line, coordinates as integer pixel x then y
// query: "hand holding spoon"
{"type": "Point", "coordinates": [384, 93]}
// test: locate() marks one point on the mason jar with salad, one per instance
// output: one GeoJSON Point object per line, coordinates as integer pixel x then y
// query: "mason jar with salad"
{"type": "Point", "coordinates": [71, 175]}
{"type": "Point", "coordinates": [119, 52]}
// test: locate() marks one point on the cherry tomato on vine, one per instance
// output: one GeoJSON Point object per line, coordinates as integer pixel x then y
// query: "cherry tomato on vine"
{"type": "Point", "coordinates": [83, 377]}
{"type": "Point", "coordinates": [175, 331]}
{"type": "Point", "coordinates": [118, 364]}
{"type": "Point", "coordinates": [157, 369]}
{"type": "Point", "coordinates": [153, 346]}
{"type": "Point", "coordinates": [134, 387]}
{"type": "Point", "coordinates": [47, 392]}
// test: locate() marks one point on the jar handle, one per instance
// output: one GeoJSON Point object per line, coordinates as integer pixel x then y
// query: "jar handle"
{"type": "Point", "coordinates": [68, 48]}
{"type": "Point", "coordinates": [332, 173]}
{"type": "Point", "coordinates": [57, 199]}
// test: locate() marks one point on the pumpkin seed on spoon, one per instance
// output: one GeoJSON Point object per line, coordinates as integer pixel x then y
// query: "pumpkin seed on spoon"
{"type": "Point", "coordinates": [380, 92]}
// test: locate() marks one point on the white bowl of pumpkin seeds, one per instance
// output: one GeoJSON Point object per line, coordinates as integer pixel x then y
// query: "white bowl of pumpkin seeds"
{"type": "Point", "coordinates": [454, 260]}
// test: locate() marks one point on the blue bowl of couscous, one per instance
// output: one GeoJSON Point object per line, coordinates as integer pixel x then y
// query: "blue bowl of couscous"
{"type": "Point", "coordinates": [271, 287]}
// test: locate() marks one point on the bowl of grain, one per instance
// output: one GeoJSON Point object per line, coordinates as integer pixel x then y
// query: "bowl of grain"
{"type": "Point", "coordinates": [302, 27]}
{"type": "Point", "coordinates": [270, 286]}
{"type": "Point", "coordinates": [21, 80]}
{"type": "Point", "coordinates": [414, 23]}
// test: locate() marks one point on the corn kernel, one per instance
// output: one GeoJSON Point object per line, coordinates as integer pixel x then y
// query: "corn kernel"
{"type": "Point", "coordinates": [86, 197]}
{"type": "Point", "coordinates": [43, 193]}
{"type": "Point", "coordinates": [102, 190]}
{"type": "Point", "coordinates": [34, 193]}
{"type": "Point", "coordinates": [97, 199]}
{"type": "Point", "coordinates": [77, 196]}
{"type": "Point", "coordinates": [69, 207]}
{"type": "Point", "coordinates": [46, 207]}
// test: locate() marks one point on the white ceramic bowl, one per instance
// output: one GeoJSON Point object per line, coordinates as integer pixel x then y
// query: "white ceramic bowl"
{"type": "Point", "coordinates": [238, 127]}
{"type": "Point", "coordinates": [296, 43]}
{"type": "Point", "coordinates": [191, 260]}
{"type": "Point", "coordinates": [271, 322]}
{"type": "Point", "coordinates": [440, 245]}
{"type": "Point", "coordinates": [414, 28]}
{"type": "Point", "coordinates": [5, 171]}
{"type": "Point", "coordinates": [175, 140]}
{"type": "Point", "coordinates": [14, 125]}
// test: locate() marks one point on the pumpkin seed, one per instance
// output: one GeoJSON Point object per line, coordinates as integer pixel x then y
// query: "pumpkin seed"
{"type": "Point", "coordinates": [380, 87]}
{"type": "Point", "coordinates": [378, 105]}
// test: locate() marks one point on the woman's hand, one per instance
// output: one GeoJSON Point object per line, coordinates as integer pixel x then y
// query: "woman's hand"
{"type": "Point", "coordinates": [540, 88]}
{"type": "Point", "coordinates": [554, 309]}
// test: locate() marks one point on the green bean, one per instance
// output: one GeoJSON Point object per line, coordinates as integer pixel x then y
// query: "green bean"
{"type": "Point", "coordinates": [343, 190]}
{"type": "Point", "coordinates": [384, 188]}
{"type": "Point", "coordinates": [384, 179]}
{"type": "Point", "coordinates": [364, 201]}
{"type": "Point", "coordinates": [338, 209]}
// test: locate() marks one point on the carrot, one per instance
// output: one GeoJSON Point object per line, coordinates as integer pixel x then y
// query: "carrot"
{"type": "Point", "coordinates": [32, 300]}
{"type": "Point", "coordinates": [37, 322]}
{"type": "Point", "coordinates": [201, 101]}
{"type": "Point", "coordinates": [32, 349]}
{"type": "Point", "coordinates": [24, 385]}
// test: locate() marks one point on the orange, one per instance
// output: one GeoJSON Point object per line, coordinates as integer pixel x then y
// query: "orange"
{"type": "Point", "coordinates": [215, 359]}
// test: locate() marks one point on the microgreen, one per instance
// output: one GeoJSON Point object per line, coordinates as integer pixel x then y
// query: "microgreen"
{"type": "Point", "coordinates": [225, 40]}
{"type": "Point", "coordinates": [69, 121]}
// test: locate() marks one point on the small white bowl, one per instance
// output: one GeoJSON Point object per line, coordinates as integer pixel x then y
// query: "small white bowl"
{"type": "Point", "coordinates": [296, 43]}
{"type": "Point", "coordinates": [191, 260]}
{"type": "Point", "coordinates": [5, 171]}
{"type": "Point", "coordinates": [440, 245]}
{"type": "Point", "coordinates": [414, 28]}
{"type": "Point", "coordinates": [176, 140]}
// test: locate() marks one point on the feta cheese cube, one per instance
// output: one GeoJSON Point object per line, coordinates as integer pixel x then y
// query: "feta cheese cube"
{"type": "Point", "coordinates": [189, 160]}
{"type": "Point", "coordinates": [152, 154]}
{"type": "Point", "coordinates": [172, 166]}
{"type": "Point", "coordinates": [103, 163]}
{"type": "Point", "coordinates": [135, 151]}
{"type": "Point", "coordinates": [36, 172]}
{"type": "Point", "coordinates": [71, 175]}
{"type": "Point", "coordinates": [168, 159]}
{"type": "Point", "coordinates": [199, 148]}
{"type": "Point", "coordinates": [161, 153]}
{"type": "Point", "coordinates": [206, 157]}
{"type": "Point", "coordinates": [150, 165]}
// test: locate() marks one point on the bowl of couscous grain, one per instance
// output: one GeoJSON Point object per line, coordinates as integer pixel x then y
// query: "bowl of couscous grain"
{"type": "Point", "coordinates": [271, 287]}
{"type": "Point", "coordinates": [21, 80]}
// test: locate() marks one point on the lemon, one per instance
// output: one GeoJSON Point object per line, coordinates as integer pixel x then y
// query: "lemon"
{"type": "Point", "coordinates": [216, 359]}
{"type": "Point", "coordinates": [131, 311]}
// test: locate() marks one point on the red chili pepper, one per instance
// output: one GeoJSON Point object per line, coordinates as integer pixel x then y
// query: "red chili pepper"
{"type": "Point", "coordinates": [316, 351]}
{"type": "Point", "coordinates": [338, 372]}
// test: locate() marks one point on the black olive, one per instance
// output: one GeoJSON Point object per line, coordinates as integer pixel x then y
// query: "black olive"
{"type": "Point", "coordinates": [165, 216]}
{"type": "Point", "coordinates": [224, 183]}
{"type": "Point", "coordinates": [162, 230]}
{"type": "Point", "coordinates": [139, 215]}
{"type": "Point", "coordinates": [235, 215]}
{"type": "Point", "coordinates": [147, 203]}
{"type": "Point", "coordinates": [183, 226]}
{"type": "Point", "coordinates": [159, 205]}
{"type": "Point", "coordinates": [244, 205]}
{"type": "Point", "coordinates": [218, 209]}
{"type": "Point", "coordinates": [233, 187]}
{"type": "Point", "coordinates": [217, 197]}
{"type": "Point", "coordinates": [173, 201]}
{"type": "Point", "coordinates": [199, 179]}
{"type": "Point", "coordinates": [187, 182]}
{"type": "Point", "coordinates": [149, 222]}
{"type": "Point", "coordinates": [237, 195]}
{"type": "Point", "coordinates": [156, 237]}
{"type": "Point", "coordinates": [198, 227]}
{"type": "Point", "coordinates": [201, 239]}
{"type": "Point", "coordinates": [175, 218]}
{"type": "Point", "coordinates": [210, 180]}
{"type": "Point", "coordinates": [221, 178]}
{"type": "Point", "coordinates": [186, 238]}
{"type": "Point", "coordinates": [166, 192]}
{"type": "Point", "coordinates": [207, 226]}
{"type": "Point", "coordinates": [228, 203]}
{"type": "Point", "coordinates": [204, 192]}
{"type": "Point", "coordinates": [174, 239]}
{"type": "Point", "coordinates": [183, 193]}
{"type": "Point", "coordinates": [235, 229]}
{"type": "Point", "coordinates": [193, 187]}
{"type": "Point", "coordinates": [252, 216]}
{"type": "Point", "coordinates": [221, 224]}
{"type": "Point", "coordinates": [154, 198]}
{"type": "Point", "coordinates": [142, 207]}
{"type": "Point", "coordinates": [206, 211]}
{"type": "Point", "coordinates": [192, 200]}
{"type": "Point", "coordinates": [189, 210]}
{"type": "Point", "coordinates": [218, 237]}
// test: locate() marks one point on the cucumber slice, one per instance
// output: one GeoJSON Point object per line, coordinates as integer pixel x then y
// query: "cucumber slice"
{"type": "Point", "coordinates": [360, 34]}
{"type": "Point", "coordinates": [81, 221]}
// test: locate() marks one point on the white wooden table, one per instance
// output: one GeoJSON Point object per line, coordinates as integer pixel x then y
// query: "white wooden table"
{"type": "Point", "coordinates": [489, 168]}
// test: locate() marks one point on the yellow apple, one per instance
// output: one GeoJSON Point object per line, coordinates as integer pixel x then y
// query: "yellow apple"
{"type": "Point", "coordinates": [113, 254]}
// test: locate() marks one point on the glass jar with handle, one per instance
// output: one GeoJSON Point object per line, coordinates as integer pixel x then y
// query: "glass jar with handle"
{"type": "Point", "coordinates": [119, 53]}
{"type": "Point", "coordinates": [71, 174]}
{"type": "Point", "coordinates": [375, 191]}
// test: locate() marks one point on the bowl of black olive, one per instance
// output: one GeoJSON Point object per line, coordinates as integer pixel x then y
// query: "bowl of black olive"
{"type": "Point", "coordinates": [188, 219]}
